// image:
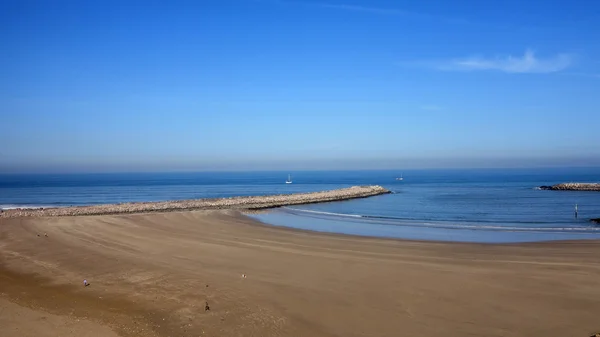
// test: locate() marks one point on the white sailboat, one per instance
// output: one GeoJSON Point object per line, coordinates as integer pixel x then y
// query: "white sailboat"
{"type": "Point", "coordinates": [400, 177]}
{"type": "Point", "coordinates": [289, 179]}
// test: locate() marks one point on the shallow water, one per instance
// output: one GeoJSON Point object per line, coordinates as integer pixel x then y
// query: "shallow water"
{"type": "Point", "coordinates": [455, 205]}
{"type": "Point", "coordinates": [430, 230]}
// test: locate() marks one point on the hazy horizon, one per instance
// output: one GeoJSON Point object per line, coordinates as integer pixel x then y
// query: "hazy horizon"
{"type": "Point", "coordinates": [337, 165]}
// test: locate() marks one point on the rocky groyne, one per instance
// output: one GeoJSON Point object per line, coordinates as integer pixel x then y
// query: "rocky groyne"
{"type": "Point", "coordinates": [240, 203]}
{"type": "Point", "coordinates": [596, 221]}
{"type": "Point", "coordinates": [573, 187]}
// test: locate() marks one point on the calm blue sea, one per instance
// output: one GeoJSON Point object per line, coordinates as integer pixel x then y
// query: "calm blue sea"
{"type": "Point", "coordinates": [451, 205]}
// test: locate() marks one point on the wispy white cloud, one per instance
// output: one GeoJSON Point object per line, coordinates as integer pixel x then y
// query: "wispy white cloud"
{"type": "Point", "coordinates": [593, 75]}
{"type": "Point", "coordinates": [368, 10]}
{"type": "Point", "coordinates": [430, 107]}
{"type": "Point", "coordinates": [373, 10]}
{"type": "Point", "coordinates": [528, 63]}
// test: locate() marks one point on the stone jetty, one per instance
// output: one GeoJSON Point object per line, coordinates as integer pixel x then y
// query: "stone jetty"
{"type": "Point", "coordinates": [573, 187]}
{"type": "Point", "coordinates": [239, 203]}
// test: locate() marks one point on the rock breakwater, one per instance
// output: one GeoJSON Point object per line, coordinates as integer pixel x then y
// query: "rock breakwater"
{"type": "Point", "coordinates": [573, 187]}
{"type": "Point", "coordinates": [240, 203]}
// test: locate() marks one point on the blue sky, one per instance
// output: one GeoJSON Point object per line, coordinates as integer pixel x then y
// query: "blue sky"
{"type": "Point", "coordinates": [308, 84]}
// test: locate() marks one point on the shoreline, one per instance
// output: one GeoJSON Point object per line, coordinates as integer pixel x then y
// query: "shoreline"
{"type": "Point", "coordinates": [236, 203]}
{"type": "Point", "coordinates": [338, 235]}
{"type": "Point", "coordinates": [442, 235]}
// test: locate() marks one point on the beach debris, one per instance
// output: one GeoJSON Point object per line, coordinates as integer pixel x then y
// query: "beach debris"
{"type": "Point", "coordinates": [206, 306]}
{"type": "Point", "coordinates": [595, 334]}
{"type": "Point", "coordinates": [46, 234]}
{"type": "Point", "coordinates": [38, 234]}
{"type": "Point", "coordinates": [243, 275]}
{"type": "Point", "coordinates": [85, 283]}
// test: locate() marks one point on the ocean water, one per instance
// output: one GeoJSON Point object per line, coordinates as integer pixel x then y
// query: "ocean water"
{"type": "Point", "coordinates": [450, 205]}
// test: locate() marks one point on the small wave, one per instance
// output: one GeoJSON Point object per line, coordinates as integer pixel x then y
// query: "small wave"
{"type": "Point", "coordinates": [404, 219]}
{"type": "Point", "coordinates": [513, 229]}
{"type": "Point", "coordinates": [394, 221]}
{"type": "Point", "coordinates": [10, 206]}
{"type": "Point", "coordinates": [324, 213]}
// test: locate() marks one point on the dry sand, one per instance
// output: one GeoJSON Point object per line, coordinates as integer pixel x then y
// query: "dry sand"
{"type": "Point", "coordinates": [151, 275]}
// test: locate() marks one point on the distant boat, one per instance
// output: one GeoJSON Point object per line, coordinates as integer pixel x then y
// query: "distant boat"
{"type": "Point", "coordinates": [400, 177]}
{"type": "Point", "coordinates": [289, 179]}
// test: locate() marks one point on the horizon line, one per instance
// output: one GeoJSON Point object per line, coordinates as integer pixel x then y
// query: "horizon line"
{"type": "Point", "coordinates": [305, 170]}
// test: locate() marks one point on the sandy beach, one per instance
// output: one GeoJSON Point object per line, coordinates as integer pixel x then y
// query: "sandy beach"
{"type": "Point", "coordinates": [154, 275]}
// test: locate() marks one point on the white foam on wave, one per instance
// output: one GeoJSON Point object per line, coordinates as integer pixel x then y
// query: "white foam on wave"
{"type": "Point", "coordinates": [10, 206]}
{"type": "Point", "coordinates": [323, 213]}
{"type": "Point", "coordinates": [513, 229]}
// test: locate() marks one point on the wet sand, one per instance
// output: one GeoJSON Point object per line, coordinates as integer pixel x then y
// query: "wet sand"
{"type": "Point", "coordinates": [152, 274]}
